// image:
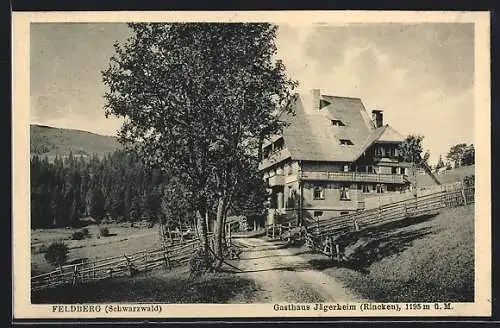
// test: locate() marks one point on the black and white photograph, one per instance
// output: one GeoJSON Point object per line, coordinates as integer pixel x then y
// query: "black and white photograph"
{"type": "Point", "coordinates": [286, 165]}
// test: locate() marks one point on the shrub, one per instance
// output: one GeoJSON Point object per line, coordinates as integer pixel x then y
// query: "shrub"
{"type": "Point", "coordinates": [85, 231]}
{"type": "Point", "coordinates": [468, 181]}
{"type": "Point", "coordinates": [104, 232]}
{"type": "Point", "coordinates": [200, 263]}
{"type": "Point", "coordinates": [57, 253]}
{"type": "Point", "coordinates": [78, 235]}
{"type": "Point", "coordinates": [42, 248]}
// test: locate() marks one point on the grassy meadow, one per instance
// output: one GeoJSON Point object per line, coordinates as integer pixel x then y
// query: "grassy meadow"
{"type": "Point", "coordinates": [123, 239]}
{"type": "Point", "coordinates": [427, 261]}
{"type": "Point", "coordinates": [156, 286]}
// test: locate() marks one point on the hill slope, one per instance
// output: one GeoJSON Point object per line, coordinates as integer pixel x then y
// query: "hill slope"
{"type": "Point", "coordinates": [50, 141]}
{"type": "Point", "coordinates": [428, 260]}
{"type": "Point", "coordinates": [451, 176]}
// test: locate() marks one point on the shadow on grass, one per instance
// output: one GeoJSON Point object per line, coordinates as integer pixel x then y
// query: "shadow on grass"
{"type": "Point", "coordinates": [361, 249]}
{"type": "Point", "coordinates": [168, 287]}
{"type": "Point", "coordinates": [109, 235]}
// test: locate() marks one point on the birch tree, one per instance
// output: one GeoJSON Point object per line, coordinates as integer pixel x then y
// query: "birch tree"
{"type": "Point", "coordinates": [197, 100]}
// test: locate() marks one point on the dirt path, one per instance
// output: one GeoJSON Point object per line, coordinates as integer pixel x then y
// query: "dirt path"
{"type": "Point", "coordinates": [282, 275]}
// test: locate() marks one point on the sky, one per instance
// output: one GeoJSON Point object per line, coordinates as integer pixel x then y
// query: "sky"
{"type": "Point", "coordinates": [420, 75]}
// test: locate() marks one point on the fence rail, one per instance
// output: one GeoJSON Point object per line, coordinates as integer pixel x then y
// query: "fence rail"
{"type": "Point", "coordinates": [326, 236]}
{"type": "Point", "coordinates": [124, 265]}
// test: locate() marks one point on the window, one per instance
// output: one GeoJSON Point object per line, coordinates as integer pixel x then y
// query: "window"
{"type": "Point", "coordinates": [391, 188]}
{"type": "Point", "coordinates": [378, 151]}
{"type": "Point", "coordinates": [346, 168]}
{"type": "Point", "coordinates": [394, 170]}
{"type": "Point", "coordinates": [318, 214]}
{"type": "Point", "coordinates": [344, 193]}
{"type": "Point", "coordinates": [366, 188]}
{"type": "Point", "coordinates": [346, 142]}
{"type": "Point", "coordinates": [323, 103]}
{"type": "Point", "coordinates": [337, 123]}
{"type": "Point", "coordinates": [369, 169]}
{"type": "Point", "coordinates": [319, 193]}
{"type": "Point", "coordinates": [380, 189]}
{"type": "Point", "coordinates": [403, 171]}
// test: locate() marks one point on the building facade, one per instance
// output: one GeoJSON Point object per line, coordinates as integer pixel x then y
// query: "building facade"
{"type": "Point", "coordinates": [330, 157]}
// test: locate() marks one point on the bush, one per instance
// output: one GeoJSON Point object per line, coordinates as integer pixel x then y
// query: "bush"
{"type": "Point", "coordinates": [104, 232]}
{"type": "Point", "coordinates": [85, 231]}
{"type": "Point", "coordinates": [78, 235]}
{"type": "Point", "coordinates": [200, 263]}
{"type": "Point", "coordinates": [42, 248]}
{"type": "Point", "coordinates": [57, 253]}
{"type": "Point", "coordinates": [469, 180]}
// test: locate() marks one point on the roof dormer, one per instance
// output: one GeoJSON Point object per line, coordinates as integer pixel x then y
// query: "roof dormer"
{"type": "Point", "coordinates": [337, 122]}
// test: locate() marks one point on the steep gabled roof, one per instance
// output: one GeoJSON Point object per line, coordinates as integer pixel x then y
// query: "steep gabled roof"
{"type": "Point", "coordinates": [382, 134]}
{"type": "Point", "coordinates": [311, 135]}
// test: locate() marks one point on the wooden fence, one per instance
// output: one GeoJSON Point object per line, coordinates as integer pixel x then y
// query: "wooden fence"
{"type": "Point", "coordinates": [326, 236]}
{"type": "Point", "coordinates": [118, 266]}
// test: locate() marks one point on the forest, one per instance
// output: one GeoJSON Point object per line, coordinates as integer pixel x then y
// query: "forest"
{"type": "Point", "coordinates": [116, 186]}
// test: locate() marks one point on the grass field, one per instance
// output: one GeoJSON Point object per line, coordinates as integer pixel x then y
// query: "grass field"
{"type": "Point", "coordinates": [158, 286]}
{"type": "Point", "coordinates": [451, 176]}
{"type": "Point", "coordinates": [427, 261]}
{"type": "Point", "coordinates": [122, 240]}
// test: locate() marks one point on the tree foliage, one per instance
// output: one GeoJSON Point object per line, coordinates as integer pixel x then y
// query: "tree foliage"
{"type": "Point", "coordinates": [62, 191]}
{"type": "Point", "coordinates": [440, 164]}
{"type": "Point", "coordinates": [411, 150]}
{"type": "Point", "coordinates": [97, 205]}
{"type": "Point", "coordinates": [57, 253]}
{"type": "Point", "coordinates": [198, 99]}
{"type": "Point", "coordinates": [461, 154]}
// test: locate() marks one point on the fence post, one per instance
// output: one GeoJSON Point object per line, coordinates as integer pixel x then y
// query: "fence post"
{"type": "Point", "coordinates": [146, 260]}
{"type": "Point", "coordinates": [356, 226]}
{"type": "Point", "coordinates": [75, 273]}
{"type": "Point", "coordinates": [463, 194]}
{"type": "Point", "coordinates": [330, 246]}
{"type": "Point", "coordinates": [129, 265]}
{"type": "Point", "coordinates": [273, 230]}
{"type": "Point", "coordinates": [337, 250]}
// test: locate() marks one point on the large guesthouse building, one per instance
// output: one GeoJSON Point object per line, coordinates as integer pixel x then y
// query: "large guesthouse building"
{"type": "Point", "coordinates": [331, 157]}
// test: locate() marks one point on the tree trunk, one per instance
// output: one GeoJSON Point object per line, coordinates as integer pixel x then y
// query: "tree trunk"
{"type": "Point", "coordinates": [203, 230]}
{"type": "Point", "coordinates": [218, 233]}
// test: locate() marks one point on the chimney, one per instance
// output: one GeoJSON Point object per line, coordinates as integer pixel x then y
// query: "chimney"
{"type": "Point", "coordinates": [315, 100]}
{"type": "Point", "coordinates": [378, 118]}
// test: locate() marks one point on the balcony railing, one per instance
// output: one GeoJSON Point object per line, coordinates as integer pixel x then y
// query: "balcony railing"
{"type": "Point", "coordinates": [354, 177]}
{"type": "Point", "coordinates": [274, 158]}
{"type": "Point", "coordinates": [277, 180]}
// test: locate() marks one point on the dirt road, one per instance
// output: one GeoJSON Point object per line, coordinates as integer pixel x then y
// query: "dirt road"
{"type": "Point", "coordinates": [283, 275]}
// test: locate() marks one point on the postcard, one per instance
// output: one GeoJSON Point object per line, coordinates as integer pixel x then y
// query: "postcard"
{"type": "Point", "coordinates": [251, 164]}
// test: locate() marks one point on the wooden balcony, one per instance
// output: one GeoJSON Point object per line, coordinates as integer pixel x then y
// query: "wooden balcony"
{"type": "Point", "coordinates": [277, 180]}
{"type": "Point", "coordinates": [354, 177]}
{"type": "Point", "coordinates": [274, 158]}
